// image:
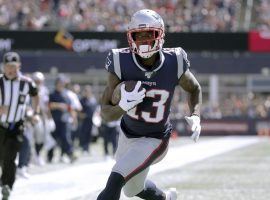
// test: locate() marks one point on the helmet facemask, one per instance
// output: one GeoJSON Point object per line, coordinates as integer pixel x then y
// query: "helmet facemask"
{"type": "Point", "coordinates": [145, 48]}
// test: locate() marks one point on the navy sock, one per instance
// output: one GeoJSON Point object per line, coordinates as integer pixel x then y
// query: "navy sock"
{"type": "Point", "coordinates": [113, 187]}
{"type": "Point", "coordinates": [151, 192]}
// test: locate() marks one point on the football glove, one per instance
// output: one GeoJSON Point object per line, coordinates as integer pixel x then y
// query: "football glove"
{"type": "Point", "coordinates": [130, 99]}
{"type": "Point", "coordinates": [194, 123]}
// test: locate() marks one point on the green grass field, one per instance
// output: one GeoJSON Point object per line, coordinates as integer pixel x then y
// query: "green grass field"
{"type": "Point", "coordinates": [242, 174]}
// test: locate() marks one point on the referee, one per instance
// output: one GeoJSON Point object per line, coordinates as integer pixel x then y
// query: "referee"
{"type": "Point", "coordinates": [15, 90]}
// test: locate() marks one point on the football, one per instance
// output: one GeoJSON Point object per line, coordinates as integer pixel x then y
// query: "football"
{"type": "Point", "coordinates": [129, 86]}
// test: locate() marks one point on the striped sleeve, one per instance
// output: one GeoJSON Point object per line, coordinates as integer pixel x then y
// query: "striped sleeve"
{"type": "Point", "coordinates": [183, 63]}
{"type": "Point", "coordinates": [113, 63]}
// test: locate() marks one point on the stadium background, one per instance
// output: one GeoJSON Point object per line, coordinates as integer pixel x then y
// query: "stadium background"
{"type": "Point", "coordinates": [228, 44]}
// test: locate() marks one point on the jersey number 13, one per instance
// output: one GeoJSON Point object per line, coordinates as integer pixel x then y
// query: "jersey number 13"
{"type": "Point", "coordinates": [159, 106]}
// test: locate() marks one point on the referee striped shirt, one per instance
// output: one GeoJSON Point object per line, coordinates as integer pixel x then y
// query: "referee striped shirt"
{"type": "Point", "coordinates": [14, 94]}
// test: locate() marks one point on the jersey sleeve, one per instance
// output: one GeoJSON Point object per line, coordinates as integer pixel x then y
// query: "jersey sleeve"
{"type": "Point", "coordinates": [113, 63]}
{"type": "Point", "coordinates": [183, 63]}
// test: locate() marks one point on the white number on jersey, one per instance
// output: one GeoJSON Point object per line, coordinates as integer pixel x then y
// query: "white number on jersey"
{"type": "Point", "coordinates": [158, 105]}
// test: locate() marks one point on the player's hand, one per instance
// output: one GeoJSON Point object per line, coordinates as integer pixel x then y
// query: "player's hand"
{"type": "Point", "coordinates": [36, 119]}
{"type": "Point", "coordinates": [130, 99]}
{"type": "Point", "coordinates": [194, 123]}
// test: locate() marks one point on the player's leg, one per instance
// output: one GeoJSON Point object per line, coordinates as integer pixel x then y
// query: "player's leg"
{"type": "Point", "coordinates": [151, 192]}
{"type": "Point", "coordinates": [135, 184]}
{"type": "Point", "coordinates": [143, 188]}
{"type": "Point", "coordinates": [148, 190]}
{"type": "Point", "coordinates": [115, 181]}
{"type": "Point", "coordinates": [11, 147]}
{"type": "Point", "coordinates": [113, 187]}
{"type": "Point", "coordinates": [134, 163]}
{"type": "Point", "coordinates": [133, 156]}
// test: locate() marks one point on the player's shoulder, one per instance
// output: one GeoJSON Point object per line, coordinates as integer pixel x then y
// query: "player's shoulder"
{"type": "Point", "coordinates": [181, 56]}
{"type": "Point", "coordinates": [114, 54]}
{"type": "Point", "coordinates": [120, 51]}
{"type": "Point", "coordinates": [115, 58]}
{"type": "Point", "coordinates": [179, 52]}
{"type": "Point", "coordinates": [174, 51]}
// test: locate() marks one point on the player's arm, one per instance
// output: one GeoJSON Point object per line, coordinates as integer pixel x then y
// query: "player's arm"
{"type": "Point", "coordinates": [108, 111]}
{"type": "Point", "coordinates": [190, 84]}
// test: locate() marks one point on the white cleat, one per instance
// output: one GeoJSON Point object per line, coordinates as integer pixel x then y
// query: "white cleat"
{"type": "Point", "coordinates": [171, 194]}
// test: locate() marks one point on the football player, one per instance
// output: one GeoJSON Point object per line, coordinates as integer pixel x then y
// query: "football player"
{"type": "Point", "coordinates": [145, 125]}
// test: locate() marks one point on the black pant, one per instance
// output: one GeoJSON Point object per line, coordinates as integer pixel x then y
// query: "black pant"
{"type": "Point", "coordinates": [62, 136]}
{"type": "Point", "coordinates": [24, 153]}
{"type": "Point", "coordinates": [10, 142]}
{"type": "Point", "coordinates": [110, 135]}
{"type": "Point", "coordinates": [85, 135]}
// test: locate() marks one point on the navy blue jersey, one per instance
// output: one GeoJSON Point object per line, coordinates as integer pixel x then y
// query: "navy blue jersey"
{"type": "Point", "coordinates": [59, 97]}
{"type": "Point", "coordinates": [151, 117]}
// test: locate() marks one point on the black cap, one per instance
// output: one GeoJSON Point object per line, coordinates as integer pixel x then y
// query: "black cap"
{"type": "Point", "coordinates": [11, 57]}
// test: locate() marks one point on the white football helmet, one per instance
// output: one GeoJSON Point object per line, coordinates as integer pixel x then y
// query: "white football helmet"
{"type": "Point", "coordinates": [38, 76]}
{"type": "Point", "coordinates": [146, 20]}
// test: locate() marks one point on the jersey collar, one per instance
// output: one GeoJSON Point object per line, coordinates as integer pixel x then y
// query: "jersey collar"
{"type": "Point", "coordinates": [162, 58]}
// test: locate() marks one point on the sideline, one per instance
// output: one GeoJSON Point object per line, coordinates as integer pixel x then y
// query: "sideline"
{"type": "Point", "coordinates": [85, 179]}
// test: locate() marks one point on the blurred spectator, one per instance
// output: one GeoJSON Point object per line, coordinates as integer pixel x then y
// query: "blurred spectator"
{"type": "Point", "coordinates": [248, 105]}
{"type": "Point", "coordinates": [109, 132]}
{"type": "Point", "coordinates": [61, 110]}
{"type": "Point", "coordinates": [76, 107]}
{"type": "Point", "coordinates": [240, 106]}
{"type": "Point", "coordinates": [107, 15]}
{"type": "Point", "coordinates": [25, 150]}
{"type": "Point", "coordinates": [262, 15]}
{"type": "Point", "coordinates": [89, 105]}
{"type": "Point", "coordinates": [43, 129]}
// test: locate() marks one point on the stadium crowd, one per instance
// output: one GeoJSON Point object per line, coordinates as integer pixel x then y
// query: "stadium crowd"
{"type": "Point", "coordinates": [107, 15]}
{"type": "Point", "coordinates": [262, 15]}
{"type": "Point", "coordinates": [240, 106]}
{"type": "Point", "coordinates": [234, 106]}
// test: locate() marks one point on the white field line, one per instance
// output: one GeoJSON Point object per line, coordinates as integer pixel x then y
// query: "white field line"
{"type": "Point", "coordinates": [79, 181]}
